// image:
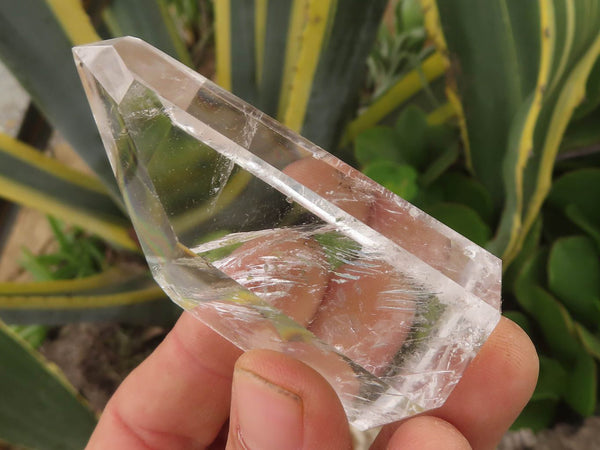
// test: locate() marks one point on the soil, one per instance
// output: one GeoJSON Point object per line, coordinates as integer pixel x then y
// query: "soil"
{"type": "Point", "coordinates": [95, 358]}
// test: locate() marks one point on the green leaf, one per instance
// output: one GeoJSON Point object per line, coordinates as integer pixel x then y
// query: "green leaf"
{"type": "Point", "coordinates": [551, 380]}
{"type": "Point", "coordinates": [338, 74]}
{"type": "Point", "coordinates": [441, 136]}
{"type": "Point", "coordinates": [31, 179]}
{"type": "Point", "coordinates": [463, 219]}
{"type": "Point", "coordinates": [496, 75]}
{"type": "Point", "coordinates": [401, 179]}
{"type": "Point", "coordinates": [39, 409]}
{"type": "Point", "coordinates": [223, 32]}
{"type": "Point", "coordinates": [591, 342]}
{"type": "Point", "coordinates": [132, 306]}
{"type": "Point", "coordinates": [148, 20]}
{"type": "Point", "coordinates": [377, 143]}
{"type": "Point", "coordinates": [397, 49]}
{"type": "Point", "coordinates": [412, 132]}
{"type": "Point", "coordinates": [410, 84]}
{"type": "Point", "coordinates": [243, 61]}
{"type": "Point", "coordinates": [34, 335]}
{"type": "Point", "coordinates": [272, 51]}
{"type": "Point", "coordinates": [537, 415]}
{"type": "Point", "coordinates": [412, 15]}
{"type": "Point", "coordinates": [43, 63]}
{"type": "Point", "coordinates": [569, 75]}
{"type": "Point", "coordinates": [558, 225]}
{"type": "Point", "coordinates": [79, 255]}
{"type": "Point", "coordinates": [553, 319]}
{"type": "Point", "coordinates": [579, 218]}
{"type": "Point", "coordinates": [65, 242]}
{"type": "Point", "coordinates": [36, 267]}
{"type": "Point", "coordinates": [592, 93]}
{"type": "Point", "coordinates": [440, 164]}
{"type": "Point", "coordinates": [126, 293]}
{"type": "Point", "coordinates": [574, 276]}
{"type": "Point", "coordinates": [581, 388]}
{"type": "Point", "coordinates": [458, 188]}
{"type": "Point", "coordinates": [533, 272]}
{"type": "Point", "coordinates": [581, 188]}
{"type": "Point", "coordinates": [581, 137]}
{"type": "Point", "coordinates": [529, 247]}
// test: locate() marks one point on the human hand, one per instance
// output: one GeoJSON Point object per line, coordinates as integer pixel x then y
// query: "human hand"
{"type": "Point", "coordinates": [196, 391]}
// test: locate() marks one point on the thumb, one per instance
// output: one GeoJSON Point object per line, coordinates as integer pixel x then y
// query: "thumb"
{"type": "Point", "coordinates": [278, 402]}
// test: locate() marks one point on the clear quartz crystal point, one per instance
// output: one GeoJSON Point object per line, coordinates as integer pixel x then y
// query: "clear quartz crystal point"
{"type": "Point", "coordinates": [274, 243]}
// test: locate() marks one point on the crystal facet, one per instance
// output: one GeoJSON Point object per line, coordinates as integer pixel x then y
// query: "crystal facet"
{"type": "Point", "coordinates": [275, 243]}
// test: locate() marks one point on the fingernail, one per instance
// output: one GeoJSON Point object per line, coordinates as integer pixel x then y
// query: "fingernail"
{"type": "Point", "coordinates": [268, 416]}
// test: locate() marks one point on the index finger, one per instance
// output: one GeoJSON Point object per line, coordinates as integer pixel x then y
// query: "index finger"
{"type": "Point", "coordinates": [177, 398]}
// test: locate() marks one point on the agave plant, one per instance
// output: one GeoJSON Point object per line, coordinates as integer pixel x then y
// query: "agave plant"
{"type": "Point", "coordinates": [284, 60]}
{"type": "Point", "coordinates": [511, 74]}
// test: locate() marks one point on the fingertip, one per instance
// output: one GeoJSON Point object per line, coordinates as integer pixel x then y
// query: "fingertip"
{"type": "Point", "coordinates": [276, 395]}
{"type": "Point", "coordinates": [494, 388]}
{"type": "Point", "coordinates": [508, 359]}
{"type": "Point", "coordinates": [427, 433]}
{"type": "Point", "coordinates": [177, 398]}
{"type": "Point", "coordinates": [522, 352]}
{"type": "Point", "coordinates": [263, 414]}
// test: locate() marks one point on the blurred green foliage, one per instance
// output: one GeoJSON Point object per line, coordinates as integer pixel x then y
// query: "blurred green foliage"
{"type": "Point", "coordinates": [552, 279]}
{"type": "Point", "coordinates": [479, 149]}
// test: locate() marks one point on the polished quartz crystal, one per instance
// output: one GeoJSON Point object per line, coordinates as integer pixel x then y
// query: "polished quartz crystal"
{"type": "Point", "coordinates": [274, 243]}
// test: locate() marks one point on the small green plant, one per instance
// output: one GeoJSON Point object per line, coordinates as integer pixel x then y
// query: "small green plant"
{"type": "Point", "coordinates": [34, 335]}
{"type": "Point", "coordinates": [194, 20]}
{"type": "Point", "coordinates": [78, 255]}
{"type": "Point", "coordinates": [399, 48]}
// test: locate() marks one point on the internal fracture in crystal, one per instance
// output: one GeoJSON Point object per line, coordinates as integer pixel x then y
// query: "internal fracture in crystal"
{"type": "Point", "coordinates": [275, 243]}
